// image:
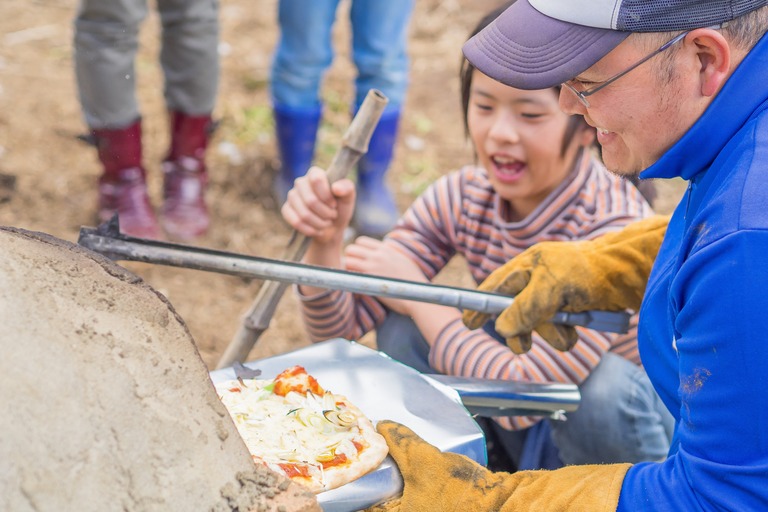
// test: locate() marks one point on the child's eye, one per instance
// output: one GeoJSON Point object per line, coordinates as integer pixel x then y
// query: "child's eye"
{"type": "Point", "coordinates": [531, 115]}
{"type": "Point", "coordinates": [483, 107]}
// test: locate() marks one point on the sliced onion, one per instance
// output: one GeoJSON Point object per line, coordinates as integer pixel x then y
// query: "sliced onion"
{"type": "Point", "coordinates": [329, 402]}
{"type": "Point", "coordinates": [346, 447]}
{"type": "Point", "coordinates": [342, 419]}
{"type": "Point", "coordinates": [326, 456]}
{"type": "Point", "coordinates": [309, 418]}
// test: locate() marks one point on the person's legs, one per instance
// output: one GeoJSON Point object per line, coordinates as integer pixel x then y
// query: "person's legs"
{"type": "Point", "coordinates": [122, 186]}
{"type": "Point", "coordinates": [379, 48]}
{"type": "Point", "coordinates": [620, 418]}
{"type": "Point", "coordinates": [376, 211]}
{"type": "Point", "coordinates": [303, 53]}
{"type": "Point", "coordinates": [106, 41]}
{"type": "Point", "coordinates": [190, 63]}
{"type": "Point", "coordinates": [184, 213]}
{"type": "Point", "coordinates": [190, 54]}
{"type": "Point", "coordinates": [105, 44]}
{"type": "Point", "coordinates": [379, 51]}
{"type": "Point", "coordinates": [504, 447]}
{"type": "Point", "coordinates": [400, 338]}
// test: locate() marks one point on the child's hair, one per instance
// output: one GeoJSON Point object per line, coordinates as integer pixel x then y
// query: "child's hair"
{"type": "Point", "coordinates": [465, 75]}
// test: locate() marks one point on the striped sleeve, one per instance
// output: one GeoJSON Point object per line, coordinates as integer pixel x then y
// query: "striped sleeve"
{"type": "Point", "coordinates": [425, 233]}
{"type": "Point", "coordinates": [339, 314]}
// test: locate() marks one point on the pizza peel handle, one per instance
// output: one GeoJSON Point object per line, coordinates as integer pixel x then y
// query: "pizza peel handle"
{"type": "Point", "coordinates": [353, 146]}
{"type": "Point", "coordinates": [107, 240]}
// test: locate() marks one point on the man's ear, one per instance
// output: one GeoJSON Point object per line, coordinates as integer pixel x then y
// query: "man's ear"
{"type": "Point", "coordinates": [714, 56]}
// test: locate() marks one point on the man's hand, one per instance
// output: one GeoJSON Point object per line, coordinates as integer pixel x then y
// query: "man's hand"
{"type": "Point", "coordinates": [441, 481]}
{"type": "Point", "coordinates": [447, 482]}
{"type": "Point", "coordinates": [608, 273]}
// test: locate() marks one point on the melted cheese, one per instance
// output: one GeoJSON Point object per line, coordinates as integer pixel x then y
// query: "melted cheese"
{"type": "Point", "coordinates": [290, 429]}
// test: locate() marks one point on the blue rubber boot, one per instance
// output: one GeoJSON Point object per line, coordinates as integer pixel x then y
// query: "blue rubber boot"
{"type": "Point", "coordinates": [375, 210]}
{"type": "Point", "coordinates": [296, 130]}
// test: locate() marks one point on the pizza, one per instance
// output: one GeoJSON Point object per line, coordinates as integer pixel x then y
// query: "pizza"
{"type": "Point", "coordinates": [296, 428]}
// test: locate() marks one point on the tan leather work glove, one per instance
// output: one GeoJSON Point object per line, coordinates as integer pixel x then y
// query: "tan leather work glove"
{"type": "Point", "coordinates": [447, 482]}
{"type": "Point", "coordinates": [608, 273]}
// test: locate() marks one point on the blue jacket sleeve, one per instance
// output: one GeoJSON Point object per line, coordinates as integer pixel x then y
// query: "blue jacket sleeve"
{"type": "Point", "coordinates": [718, 306]}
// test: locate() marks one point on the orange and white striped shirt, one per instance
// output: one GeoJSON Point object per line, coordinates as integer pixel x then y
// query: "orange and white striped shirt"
{"type": "Point", "coordinates": [461, 214]}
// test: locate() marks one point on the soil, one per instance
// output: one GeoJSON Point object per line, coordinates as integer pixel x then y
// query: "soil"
{"type": "Point", "coordinates": [48, 177]}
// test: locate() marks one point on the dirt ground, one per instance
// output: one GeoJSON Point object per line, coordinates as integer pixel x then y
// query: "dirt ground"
{"type": "Point", "coordinates": [48, 177]}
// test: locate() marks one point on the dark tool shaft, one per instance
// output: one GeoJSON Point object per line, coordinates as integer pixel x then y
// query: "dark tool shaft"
{"type": "Point", "coordinates": [120, 247]}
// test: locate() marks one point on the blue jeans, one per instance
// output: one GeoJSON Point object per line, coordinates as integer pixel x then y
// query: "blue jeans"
{"type": "Point", "coordinates": [620, 417]}
{"type": "Point", "coordinates": [304, 51]}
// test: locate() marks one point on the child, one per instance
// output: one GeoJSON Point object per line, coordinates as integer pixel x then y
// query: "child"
{"type": "Point", "coordinates": [536, 179]}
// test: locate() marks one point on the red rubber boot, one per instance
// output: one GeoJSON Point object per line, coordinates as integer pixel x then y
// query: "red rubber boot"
{"type": "Point", "coordinates": [122, 186]}
{"type": "Point", "coordinates": [184, 214]}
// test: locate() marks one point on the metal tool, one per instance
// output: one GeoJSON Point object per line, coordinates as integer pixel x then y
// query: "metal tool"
{"type": "Point", "coordinates": [496, 397]}
{"type": "Point", "coordinates": [107, 240]}
{"type": "Point", "coordinates": [437, 407]}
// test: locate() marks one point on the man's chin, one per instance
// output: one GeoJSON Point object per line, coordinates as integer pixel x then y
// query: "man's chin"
{"type": "Point", "coordinates": [633, 176]}
{"type": "Point", "coordinates": [630, 175]}
{"type": "Point", "coordinates": [625, 170]}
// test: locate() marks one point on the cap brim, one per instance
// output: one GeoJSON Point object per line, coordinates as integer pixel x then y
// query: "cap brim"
{"type": "Point", "coordinates": [525, 49]}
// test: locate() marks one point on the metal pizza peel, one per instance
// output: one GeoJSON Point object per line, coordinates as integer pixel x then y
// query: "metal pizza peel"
{"type": "Point", "coordinates": [437, 407]}
{"type": "Point", "coordinates": [440, 409]}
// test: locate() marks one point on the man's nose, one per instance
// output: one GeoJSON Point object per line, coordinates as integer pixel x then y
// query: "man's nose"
{"type": "Point", "coordinates": [570, 103]}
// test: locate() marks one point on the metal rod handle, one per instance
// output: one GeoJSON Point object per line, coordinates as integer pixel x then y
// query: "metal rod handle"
{"type": "Point", "coordinates": [177, 255]}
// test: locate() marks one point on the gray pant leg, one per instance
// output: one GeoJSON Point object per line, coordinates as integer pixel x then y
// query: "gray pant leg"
{"type": "Point", "coordinates": [400, 339]}
{"type": "Point", "coordinates": [189, 54]}
{"type": "Point", "coordinates": [620, 418]}
{"type": "Point", "coordinates": [105, 44]}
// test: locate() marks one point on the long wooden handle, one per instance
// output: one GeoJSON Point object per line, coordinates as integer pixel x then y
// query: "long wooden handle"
{"type": "Point", "coordinates": [353, 145]}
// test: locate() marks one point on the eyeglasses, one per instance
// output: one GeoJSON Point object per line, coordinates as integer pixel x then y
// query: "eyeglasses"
{"type": "Point", "coordinates": [582, 95]}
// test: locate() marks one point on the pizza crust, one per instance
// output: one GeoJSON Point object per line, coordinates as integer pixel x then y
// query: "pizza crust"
{"type": "Point", "coordinates": [368, 459]}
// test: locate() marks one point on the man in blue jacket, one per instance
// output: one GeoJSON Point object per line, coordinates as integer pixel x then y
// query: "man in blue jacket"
{"type": "Point", "coordinates": [675, 88]}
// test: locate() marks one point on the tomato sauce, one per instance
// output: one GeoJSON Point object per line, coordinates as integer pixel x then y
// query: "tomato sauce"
{"type": "Point", "coordinates": [296, 379]}
{"type": "Point", "coordinates": [292, 470]}
{"type": "Point", "coordinates": [338, 460]}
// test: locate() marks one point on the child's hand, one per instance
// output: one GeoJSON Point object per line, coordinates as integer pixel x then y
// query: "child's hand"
{"type": "Point", "coordinates": [374, 257]}
{"type": "Point", "coordinates": [319, 209]}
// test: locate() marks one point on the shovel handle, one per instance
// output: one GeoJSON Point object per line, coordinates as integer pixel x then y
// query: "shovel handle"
{"type": "Point", "coordinates": [354, 144]}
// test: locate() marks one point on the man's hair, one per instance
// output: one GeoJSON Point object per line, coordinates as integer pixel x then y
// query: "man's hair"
{"type": "Point", "coordinates": [743, 33]}
{"type": "Point", "coordinates": [575, 123]}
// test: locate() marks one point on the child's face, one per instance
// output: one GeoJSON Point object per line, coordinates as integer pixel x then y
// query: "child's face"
{"type": "Point", "coordinates": [518, 136]}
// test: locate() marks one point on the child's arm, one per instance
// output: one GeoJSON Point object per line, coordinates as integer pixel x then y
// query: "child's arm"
{"type": "Point", "coordinates": [374, 257]}
{"type": "Point", "coordinates": [321, 211]}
